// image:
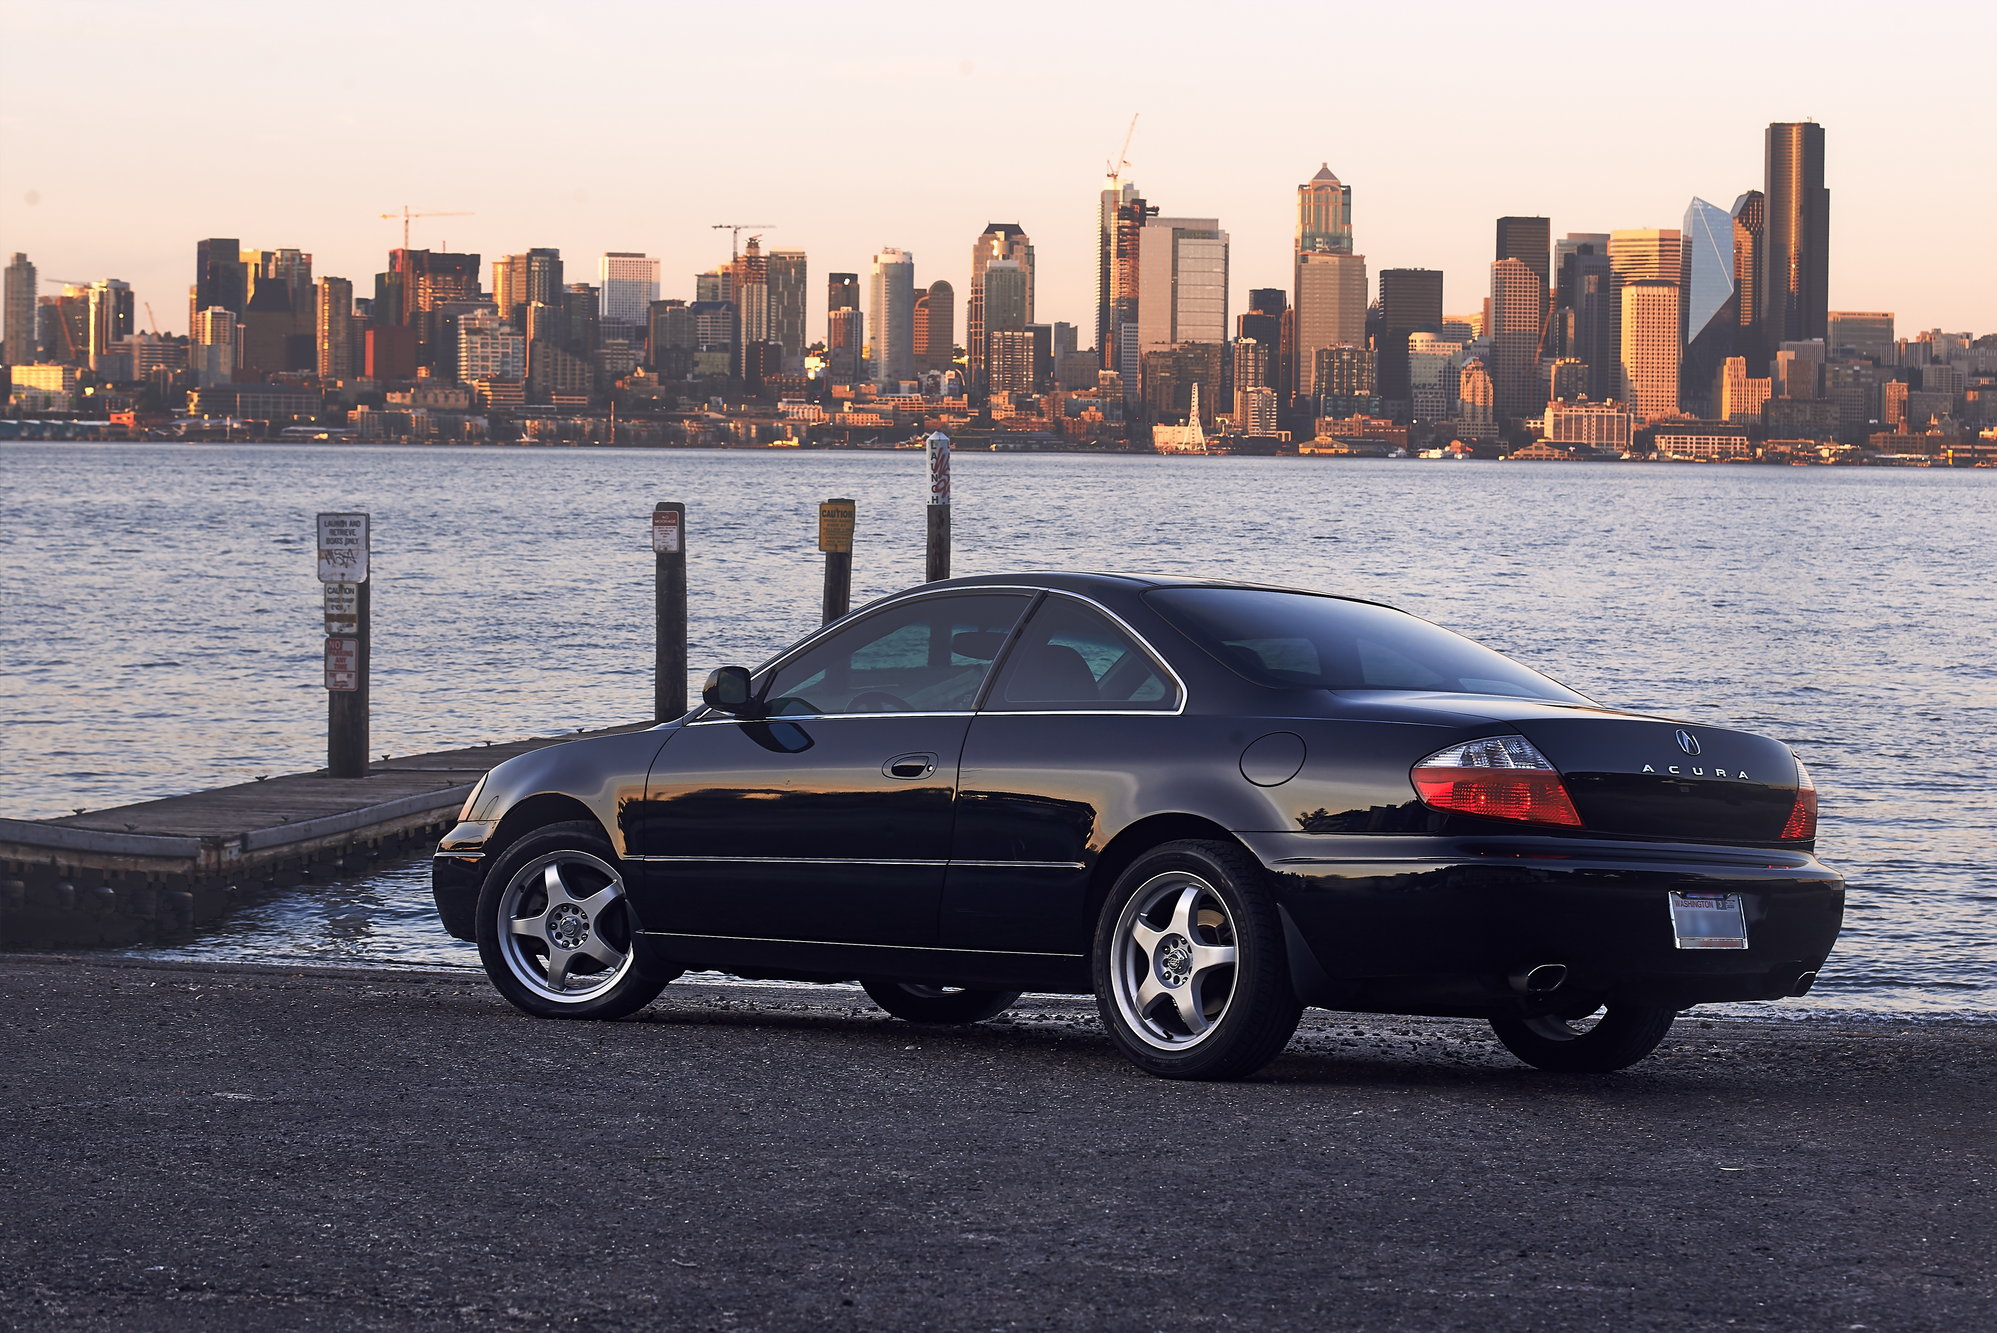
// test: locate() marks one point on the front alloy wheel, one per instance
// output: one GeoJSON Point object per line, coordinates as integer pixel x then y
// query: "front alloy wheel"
{"type": "Point", "coordinates": [555, 929]}
{"type": "Point", "coordinates": [1192, 979]}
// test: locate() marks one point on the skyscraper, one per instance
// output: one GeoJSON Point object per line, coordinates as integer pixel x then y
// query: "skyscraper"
{"type": "Point", "coordinates": [1710, 305]}
{"type": "Point", "coordinates": [1324, 215]}
{"type": "Point", "coordinates": [787, 278]}
{"type": "Point", "coordinates": [1003, 299]}
{"type": "Point", "coordinates": [1650, 348]}
{"type": "Point", "coordinates": [891, 316]}
{"type": "Point", "coordinates": [1795, 272]}
{"type": "Point", "coordinates": [1518, 296]}
{"type": "Point", "coordinates": [1585, 320]}
{"type": "Point", "coordinates": [17, 325]}
{"type": "Point", "coordinates": [519, 281]}
{"type": "Point", "coordinates": [219, 277]}
{"type": "Point", "coordinates": [1120, 221]}
{"type": "Point", "coordinates": [1182, 283]}
{"type": "Point", "coordinates": [749, 288]}
{"type": "Point", "coordinates": [627, 284]}
{"type": "Point", "coordinates": [1410, 302]}
{"type": "Point", "coordinates": [936, 327]}
{"type": "Point", "coordinates": [110, 318]}
{"type": "Point", "coordinates": [334, 317]}
{"type": "Point", "coordinates": [1750, 224]}
{"type": "Point", "coordinates": [1645, 254]}
{"type": "Point", "coordinates": [998, 241]}
{"type": "Point", "coordinates": [1330, 285]}
{"type": "Point", "coordinates": [213, 358]}
{"type": "Point", "coordinates": [1526, 240]}
{"type": "Point", "coordinates": [842, 292]}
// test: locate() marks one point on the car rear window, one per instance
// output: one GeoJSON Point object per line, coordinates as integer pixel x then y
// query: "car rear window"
{"type": "Point", "coordinates": [1297, 639]}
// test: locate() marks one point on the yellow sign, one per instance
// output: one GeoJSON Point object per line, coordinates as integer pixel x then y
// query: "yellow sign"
{"type": "Point", "coordinates": [835, 526]}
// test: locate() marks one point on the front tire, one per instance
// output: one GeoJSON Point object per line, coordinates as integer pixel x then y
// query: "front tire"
{"type": "Point", "coordinates": [1622, 1035]}
{"type": "Point", "coordinates": [916, 1003]}
{"type": "Point", "coordinates": [555, 929]}
{"type": "Point", "coordinates": [1191, 975]}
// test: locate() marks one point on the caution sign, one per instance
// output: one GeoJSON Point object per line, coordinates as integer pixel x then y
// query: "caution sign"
{"type": "Point", "coordinates": [835, 526]}
{"type": "Point", "coordinates": [343, 663]}
{"type": "Point", "coordinates": [343, 608]}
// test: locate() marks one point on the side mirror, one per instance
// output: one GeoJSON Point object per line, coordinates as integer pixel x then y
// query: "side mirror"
{"type": "Point", "coordinates": [728, 690]}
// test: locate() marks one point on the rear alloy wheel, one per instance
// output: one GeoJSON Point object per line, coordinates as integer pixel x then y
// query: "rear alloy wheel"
{"type": "Point", "coordinates": [1191, 976]}
{"type": "Point", "coordinates": [917, 1003]}
{"type": "Point", "coordinates": [1606, 1040]}
{"type": "Point", "coordinates": [555, 928]}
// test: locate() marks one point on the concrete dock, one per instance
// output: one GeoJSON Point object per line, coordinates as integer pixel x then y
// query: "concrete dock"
{"type": "Point", "coordinates": [220, 1148]}
{"type": "Point", "coordinates": [159, 868]}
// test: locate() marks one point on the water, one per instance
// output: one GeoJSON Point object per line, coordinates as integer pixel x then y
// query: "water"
{"type": "Point", "coordinates": [161, 621]}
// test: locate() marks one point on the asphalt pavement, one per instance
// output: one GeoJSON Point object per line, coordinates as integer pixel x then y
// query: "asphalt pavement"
{"type": "Point", "coordinates": [222, 1147]}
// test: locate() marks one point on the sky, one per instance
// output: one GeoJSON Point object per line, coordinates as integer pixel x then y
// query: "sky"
{"type": "Point", "coordinates": [128, 131]}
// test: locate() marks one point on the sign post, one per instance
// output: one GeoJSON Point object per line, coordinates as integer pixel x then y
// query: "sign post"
{"type": "Point", "coordinates": [937, 565]}
{"type": "Point", "coordinates": [669, 699]}
{"type": "Point", "coordinates": [835, 538]}
{"type": "Point", "coordinates": [344, 547]}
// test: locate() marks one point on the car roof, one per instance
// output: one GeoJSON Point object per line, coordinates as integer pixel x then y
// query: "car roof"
{"type": "Point", "coordinates": [1089, 582]}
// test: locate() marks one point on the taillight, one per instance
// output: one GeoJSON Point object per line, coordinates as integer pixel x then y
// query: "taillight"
{"type": "Point", "coordinates": [1802, 823]}
{"type": "Point", "coordinates": [1498, 777]}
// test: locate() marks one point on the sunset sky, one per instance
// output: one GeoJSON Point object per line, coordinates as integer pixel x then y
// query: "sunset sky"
{"type": "Point", "coordinates": [130, 130]}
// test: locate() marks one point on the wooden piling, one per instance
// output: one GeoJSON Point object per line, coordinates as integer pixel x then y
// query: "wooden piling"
{"type": "Point", "coordinates": [835, 538]}
{"type": "Point", "coordinates": [669, 699]}
{"type": "Point", "coordinates": [936, 565]}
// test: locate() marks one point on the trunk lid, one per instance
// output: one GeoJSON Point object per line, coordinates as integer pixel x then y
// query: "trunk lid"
{"type": "Point", "coordinates": [1661, 779]}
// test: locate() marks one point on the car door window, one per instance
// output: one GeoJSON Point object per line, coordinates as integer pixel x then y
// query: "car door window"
{"type": "Point", "coordinates": [928, 655]}
{"type": "Point", "coordinates": [1072, 657]}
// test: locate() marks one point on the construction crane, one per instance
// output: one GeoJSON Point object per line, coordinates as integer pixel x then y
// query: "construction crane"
{"type": "Point", "coordinates": [406, 215]}
{"type": "Point", "coordinates": [735, 230]}
{"type": "Point", "coordinates": [1122, 154]}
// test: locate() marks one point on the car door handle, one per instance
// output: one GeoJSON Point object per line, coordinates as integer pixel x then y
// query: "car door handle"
{"type": "Point", "coordinates": [910, 767]}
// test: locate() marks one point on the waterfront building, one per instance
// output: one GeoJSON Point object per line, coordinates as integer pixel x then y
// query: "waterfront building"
{"type": "Point", "coordinates": [1708, 441]}
{"type": "Point", "coordinates": [788, 280]}
{"type": "Point", "coordinates": [936, 327]}
{"type": "Point", "coordinates": [1518, 305]}
{"type": "Point", "coordinates": [1182, 284]}
{"type": "Point", "coordinates": [1248, 364]}
{"type": "Point", "coordinates": [1583, 421]}
{"type": "Point", "coordinates": [1324, 215]}
{"type": "Point", "coordinates": [1410, 302]}
{"type": "Point", "coordinates": [1120, 218]}
{"type": "Point", "coordinates": [1256, 411]}
{"type": "Point", "coordinates": [999, 242]}
{"type": "Point", "coordinates": [1182, 380]}
{"type": "Point", "coordinates": [1866, 333]}
{"type": "Point", "coordinates": [1650, 348]}
{"type": "Point", "coordinates": [1435, 369]}
{"type": "Point", "coordinates": [1795, 274]}
{"type": "Point", "coordinates": [891, 316]}
{"type": "Point", "coordinates": [1345, 382]}
{"type": "Point", "coordinates": [519, 281]}
{"type": "Point", "coordinates": [216, 350]}
{"type": "Point", "coordinates": [17, 323]}
{"type": "Point", "coordinates": [627, 284]}
{"type": "Point", "coordinates": [333, 319]}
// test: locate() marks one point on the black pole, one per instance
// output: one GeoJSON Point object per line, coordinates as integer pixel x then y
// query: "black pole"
{"type": "Point", "coordinates": [669, 590]}
{"type": "Point", "coordinates": [937, 565]}
{"type": "Point", "coordinates": [347, 709]}
{"type": "Point", "coordinates": [835, 538]}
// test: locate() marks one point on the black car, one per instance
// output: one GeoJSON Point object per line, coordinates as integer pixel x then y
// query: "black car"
{"type": "Point", "coordinates": [1210, 804]}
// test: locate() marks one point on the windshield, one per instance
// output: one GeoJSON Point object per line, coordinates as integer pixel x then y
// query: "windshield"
{"type": "Point", "coordinates": [1301, 639]}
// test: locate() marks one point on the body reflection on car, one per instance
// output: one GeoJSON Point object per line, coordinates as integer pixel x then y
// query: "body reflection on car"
{"type": "Point", "coordinates": [1208, 804]}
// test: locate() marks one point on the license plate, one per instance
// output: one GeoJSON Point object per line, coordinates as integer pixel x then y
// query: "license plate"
{"type": "Point", "coordinates": [1709, 920]}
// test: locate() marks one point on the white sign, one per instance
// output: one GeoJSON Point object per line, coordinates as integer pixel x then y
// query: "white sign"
{"type": "Point", "coordinates": [343, 548]}
{"type": "Point", "coordinates": [939, 469]}
{"type": "Point", "coordinates": [343, 608]}
{"type": "Point", "coordinates": [666, 531]}
{"type": "Point", "coordinates": [343, 664]}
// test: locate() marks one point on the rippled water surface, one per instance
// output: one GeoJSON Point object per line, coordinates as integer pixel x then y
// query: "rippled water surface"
{"type": "Point", "coordinates": [161, 621]}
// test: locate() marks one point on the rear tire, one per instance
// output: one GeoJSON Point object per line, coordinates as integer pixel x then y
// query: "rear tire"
{"type": "Point", "coordinates": [555, 930]}
{"type": "Point", "coordinates": [1192, 978]}
{"type": "Point", "coordinates": [1623, 1035]}
{"type": "Point", "coordinates": [915, 1003]}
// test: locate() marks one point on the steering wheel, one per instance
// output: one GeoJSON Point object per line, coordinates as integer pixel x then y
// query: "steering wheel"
{"type": "Point", "coordinates": [877, 701]}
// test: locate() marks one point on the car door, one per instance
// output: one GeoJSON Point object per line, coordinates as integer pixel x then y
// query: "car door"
{"type": "Point", "coordinates": [1079, 703]}
{"type": "Point", "coordinates": [828, 819]}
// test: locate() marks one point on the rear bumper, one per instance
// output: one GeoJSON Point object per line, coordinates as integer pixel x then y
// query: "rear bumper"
{"type": "Point", "coordinates": [1442, 925]}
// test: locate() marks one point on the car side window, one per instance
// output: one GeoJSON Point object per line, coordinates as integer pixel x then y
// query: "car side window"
{"type": "Point", "coordinates": [1072, 657]}
{"type": "Point", "coordinates": [928, 655]}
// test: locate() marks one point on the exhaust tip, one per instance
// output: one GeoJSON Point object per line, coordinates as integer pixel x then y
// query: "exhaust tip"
{"type": "Point", "coordinates": [1802, 984]}
{"type": "Point", "coordinates": [1539, 980]}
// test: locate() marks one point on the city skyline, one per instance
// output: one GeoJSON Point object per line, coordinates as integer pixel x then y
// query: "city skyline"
{"type": "Point", "coordinates": [322, 173]}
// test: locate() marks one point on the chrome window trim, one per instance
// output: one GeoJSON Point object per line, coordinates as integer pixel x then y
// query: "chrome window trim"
{"type": "Point", "coordinates": [856, 944]}
{"type": "Point", "coordinates": [859, 861]}
{"type": "Point", "coordinates": [1143, 644]}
